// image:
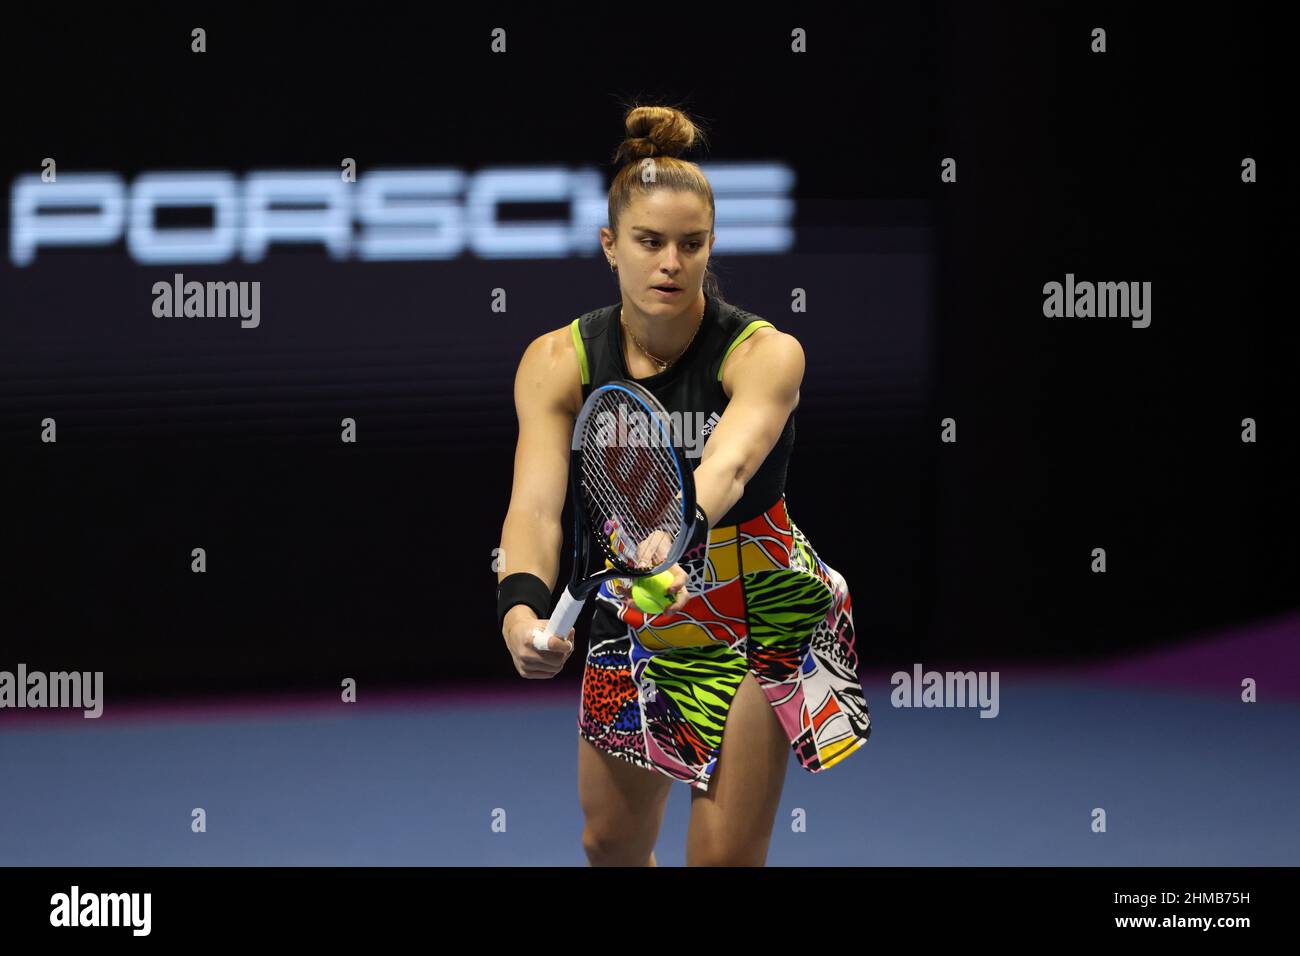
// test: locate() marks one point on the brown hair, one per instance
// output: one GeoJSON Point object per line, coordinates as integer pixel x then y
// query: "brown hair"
{"type": "Point", "coordinates": [664, 133]}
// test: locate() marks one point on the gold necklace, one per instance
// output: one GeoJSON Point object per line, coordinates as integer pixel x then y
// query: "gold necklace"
{"type": "Point", "coordinates": [650, 355]}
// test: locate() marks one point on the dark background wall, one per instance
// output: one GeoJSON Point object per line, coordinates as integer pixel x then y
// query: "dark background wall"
{"type": "Point", "coordinates": [374, 559]}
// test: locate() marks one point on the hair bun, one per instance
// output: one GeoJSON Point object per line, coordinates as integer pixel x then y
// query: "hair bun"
{"type": "Point", "coordinates": [655, 131]}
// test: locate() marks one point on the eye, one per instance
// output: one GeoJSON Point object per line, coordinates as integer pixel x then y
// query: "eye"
{"type": "Point", "coordinates": [695, 244]}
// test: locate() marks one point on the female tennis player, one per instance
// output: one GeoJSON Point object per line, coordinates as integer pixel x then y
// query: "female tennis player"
{"type": "Point", "coordinates": [755, 656]}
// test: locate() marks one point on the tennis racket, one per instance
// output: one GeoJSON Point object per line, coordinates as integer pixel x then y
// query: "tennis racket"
{"type": "Point", "coordinates": [633, 495]}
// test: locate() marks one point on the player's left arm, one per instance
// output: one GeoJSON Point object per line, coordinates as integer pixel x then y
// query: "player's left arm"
{"type": "Point", "coordinates": [765, 382]}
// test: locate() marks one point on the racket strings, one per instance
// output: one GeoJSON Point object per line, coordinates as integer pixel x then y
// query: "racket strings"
{"type": "Point", "coordinates": [630, 477]}
{"type": "Point", "coordinates": [645, 497]}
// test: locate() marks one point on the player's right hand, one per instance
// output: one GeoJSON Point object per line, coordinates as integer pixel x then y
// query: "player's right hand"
{"type": "Point", "coordinates": [531, 662]}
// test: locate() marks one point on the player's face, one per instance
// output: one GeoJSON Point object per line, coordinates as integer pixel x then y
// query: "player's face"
{"type": "Point", "coordinates": [664, 239]}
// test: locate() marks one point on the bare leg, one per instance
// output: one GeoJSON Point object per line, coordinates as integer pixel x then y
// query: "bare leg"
{"type": "Point", "coordinates": [623, 807]}
{"type": "Point", "coordinates": [731, 822]}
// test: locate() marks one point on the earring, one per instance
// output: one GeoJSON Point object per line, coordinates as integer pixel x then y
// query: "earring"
{"type": "Point", "coordinates": [612, 267]}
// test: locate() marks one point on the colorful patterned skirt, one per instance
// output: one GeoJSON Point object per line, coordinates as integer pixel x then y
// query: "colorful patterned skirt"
{"type": "Point", "coordinates": [656, 688]}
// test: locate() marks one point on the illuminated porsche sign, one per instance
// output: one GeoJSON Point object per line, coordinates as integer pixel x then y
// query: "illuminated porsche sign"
{"type": "Point", "coordinates": [386, 214]}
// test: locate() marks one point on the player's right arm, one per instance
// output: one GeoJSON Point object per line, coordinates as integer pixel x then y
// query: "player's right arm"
{"type": "Point", "coordinates": [548, 398]}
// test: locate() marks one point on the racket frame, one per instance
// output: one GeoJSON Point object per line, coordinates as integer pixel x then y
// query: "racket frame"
{"type": "Point", "coordinates": [582, 586]}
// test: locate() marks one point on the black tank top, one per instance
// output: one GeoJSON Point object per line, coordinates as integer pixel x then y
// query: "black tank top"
{"type": "Point", "coordinates": [690, 388]}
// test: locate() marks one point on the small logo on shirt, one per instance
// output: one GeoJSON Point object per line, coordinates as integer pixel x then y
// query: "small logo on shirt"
{"type": "Point", "coordinates": [695, 428]}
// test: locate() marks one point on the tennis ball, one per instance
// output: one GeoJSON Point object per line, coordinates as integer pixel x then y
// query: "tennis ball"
{"type": "Point", "coordinates": [650, 593]}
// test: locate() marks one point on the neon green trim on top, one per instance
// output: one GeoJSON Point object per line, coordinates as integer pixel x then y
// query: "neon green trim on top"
{"type": "Point", "coordinates": [749, 330]}
{"type": "Point", "coordinates": [582, 351]}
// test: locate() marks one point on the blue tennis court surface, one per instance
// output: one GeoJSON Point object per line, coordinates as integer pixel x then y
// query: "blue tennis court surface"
{"type": "Point", "coordinates": [1185, 778]}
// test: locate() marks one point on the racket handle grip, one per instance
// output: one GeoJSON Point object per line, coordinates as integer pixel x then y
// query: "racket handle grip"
{"type": "Point", "coordinates": [567, 609]}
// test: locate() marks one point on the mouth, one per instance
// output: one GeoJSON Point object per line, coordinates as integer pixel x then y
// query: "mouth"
{"type": "Point", "coordinates": [666, 289]}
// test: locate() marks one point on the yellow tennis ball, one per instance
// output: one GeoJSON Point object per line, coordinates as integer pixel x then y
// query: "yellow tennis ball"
{"type": "Point", "coordinates": [650, 594]}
